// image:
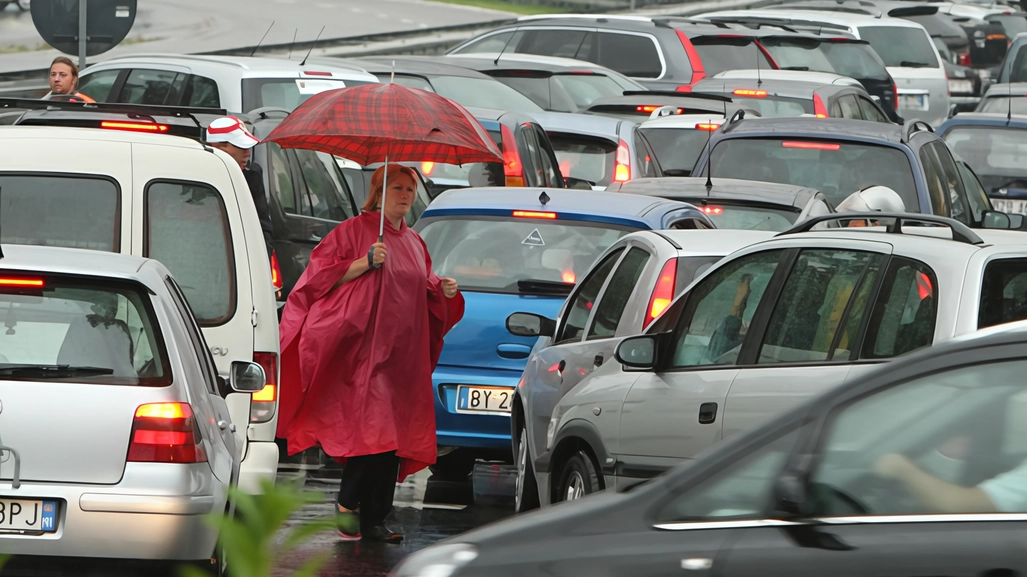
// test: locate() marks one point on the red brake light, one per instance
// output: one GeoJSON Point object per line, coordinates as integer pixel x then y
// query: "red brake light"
{"type": "Point", "coordinates": [165, 433]}
{"type": "Point", "coordinates": [533, 214]}
{"type": "Point", "coordinates": [569, 277]}
{"type": "Point", "coordinates": [134, 126]}
{"type": "Point", "coordinates": [895, 92]}
{"type": "Point", "coordinates": [963, 59]}
{"type": "Point", "coordinates": [511, 158]}
{"type": "Point", "coordinates": [276, 272]}
{"type": "Point", "coordinates": [316, 73]}
{"type": "Point", "coordinates": [262, 403]}
{"type": "Point", "coordinates": [21, 282]}
{"type": "Point", "coordinates": [663, 294]}
{"type": "Point", "coordinates": [698, 72]}
{"type": "Point", "coordinates": [712, 209]}
{"type": "Point", "coordinates": [707, 126]}
{"type": "Point", "coordinates": [750, 93]}
{"type": "Point", "coordinates": [586, 72]}
{"type": "Point", "coordinates": [809, 145]}
{"type": "Point", "coordinates": [818, 107]}
{"type": "Point", "coordinates": [622, 168]}
{"type": "Point", "coordinates": [995, 37]}
{"type": "Point", "coordinates": [427, 168]}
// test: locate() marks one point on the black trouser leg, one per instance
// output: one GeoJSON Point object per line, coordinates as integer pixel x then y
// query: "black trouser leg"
{"type": "Point", "coordinates": [354, 478]}
{"type": "Point", "coordinates": [380, 481]}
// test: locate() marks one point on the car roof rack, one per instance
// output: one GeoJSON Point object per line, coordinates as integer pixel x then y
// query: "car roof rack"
{"type": "Point", "coordinates": [960, 232]}
{"type": "Point", "coordinates": [912, 127]}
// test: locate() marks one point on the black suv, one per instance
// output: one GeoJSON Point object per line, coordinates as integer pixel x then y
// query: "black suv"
{"type": "Point", "coordinates": [840, 156]}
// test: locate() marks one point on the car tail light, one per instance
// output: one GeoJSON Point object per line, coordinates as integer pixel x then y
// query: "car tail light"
{"type": "Point", "coordinates": [818, 107]}
{"type": "Point", "coordinates": [262, 403]}
{"type": "Point", "coordinates": [427, 167]}
{"type": "Point", "coordinates": [165, 433]}
{"type": "Point", "coordinates": [276, 271]}
{"type": "Point", "coordinates": [663, 294]}
{"type": "Point", "coordinates": [712, 209]}
{"type": "Point", "coordinates": [21, 282]}
{"type": "Point", "coordinates": [963, 59]}
{"type": "Point", "coordinates": [650, 108]}
{"type": "Point", "coordinates": [134, 126]}
{"type": "Point", "coordinates": [622, 168]}
{"type": "Point", "coordinates": [569, 277]}
{"type": "Point", "coordinates": [705, 126]}
{"type": "Point", "coordinates": [750, 93]}
{"type": "Point", "coordinates": [698, 72]}
{"type": "Point", "coordinates": [895, 95]}
{"type": "Point", "coordinates": [512, 168]}
{"type": "Point", "coordinates": [808, 145]}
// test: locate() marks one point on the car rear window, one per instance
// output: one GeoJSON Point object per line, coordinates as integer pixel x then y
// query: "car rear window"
{"type": "Point", "coordinates": [74, 211]}
{"type": "Point", "coordinates": [676, 149]}
{"type": "Point", "coordinates": [590, 159]}
{"type": "Point", "coordinates": [584, 89]}
{"type": "Point", "coordinates": [835, 168]}
{"type": "Point", "coordinates": [287, 93]}
{"type": "Point", "coordinates": [747, 217]}
{"type": "Point", "coordinates": [483, 93]}
{"type": "Point", "coordinates": [106, 325]}
{"type": "Point", "coordinates": [852, 59]}
{"type": "Point", "coordinates": [491, 254]}
{"type": "Point", "coordinates": [901, 46]}
{"type": "Point", "coordinates": [771, 105]}
{"type": "Point", "coordinates": [719, 53]}
{"type": "Point", "coordinates": [1003, 105]}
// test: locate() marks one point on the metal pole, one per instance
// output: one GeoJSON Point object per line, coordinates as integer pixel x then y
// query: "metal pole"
{"type": "Point", "coordinates": [82, 34]}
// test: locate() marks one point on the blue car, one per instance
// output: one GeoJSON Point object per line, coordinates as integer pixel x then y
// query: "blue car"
{"type": "Point", "coordinates": [995, 145]}
{"type": "Point", "coordinates": [515, 249]}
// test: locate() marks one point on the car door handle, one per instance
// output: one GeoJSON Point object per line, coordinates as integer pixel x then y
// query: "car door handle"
{"type": "Point", "coordinates": [314, 237]}
{"type": "Point", "coordinates": [707, 413]}
{"type": "Point", "coordinates": [513, 351]}
{"type": "Point", "coordinates": [598, 360]}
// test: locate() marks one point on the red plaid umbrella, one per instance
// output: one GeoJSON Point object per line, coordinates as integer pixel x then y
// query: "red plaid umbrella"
{"type": "Point", "coordinates": [381, 122]}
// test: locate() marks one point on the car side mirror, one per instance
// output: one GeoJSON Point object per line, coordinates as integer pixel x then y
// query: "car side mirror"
{"type": "Point", "coordinates": [996, 219]}
{"type": "Point", "coordinates": [530, 325]}
{"type": "Point", "coordinates": [246, 377]}
{"type": "Point", "coordinates": [638, 352]}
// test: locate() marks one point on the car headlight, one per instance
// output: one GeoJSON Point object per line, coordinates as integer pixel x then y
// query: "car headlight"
{"type": "Point", "coordinates": [441, 560]}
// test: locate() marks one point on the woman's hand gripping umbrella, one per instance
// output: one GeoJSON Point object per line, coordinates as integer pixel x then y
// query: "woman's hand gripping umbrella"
{"type": "Point", "coordinates": [359, 343]}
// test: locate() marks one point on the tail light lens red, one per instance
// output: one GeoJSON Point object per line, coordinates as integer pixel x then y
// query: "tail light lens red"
{"type": "Point", "coordinates": [622, 168]}
{"type": "Point", "coordinates": [895, 95]}
{"type": "Point", "coordinates": [165, 433]}
{"type": "Point", "coordinates": [963, 59]}
{"type": "Point", "coordinates": [276, 272]}
{"type": "Point", "coordinates": [512, 168]}
{"type": "Point", "coordinates": [818, 107]}
{"type": "Point", "coordinates": [663, 294]}
{"type": "Point", "coordinates": [698, 72]}
{"type": "Point", "coordinates": [262, 403]}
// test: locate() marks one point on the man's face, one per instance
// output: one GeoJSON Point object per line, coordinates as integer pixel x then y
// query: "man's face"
{"type": "Point", "coordinates": [241, 155]}
{"type": "Point", "coordinates": [61, 79]}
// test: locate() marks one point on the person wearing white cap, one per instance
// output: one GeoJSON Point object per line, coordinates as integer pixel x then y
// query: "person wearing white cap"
{"type": "Point", "coordinates": [229, 135]}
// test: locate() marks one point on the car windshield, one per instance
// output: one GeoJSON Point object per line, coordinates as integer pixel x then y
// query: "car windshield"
{"type": "Point", "coordinates": [590, 159]}
{"type": "Point", "coordinates": [720, 53]}
{"type": "Point", "coordinates": [287, 93]}
{"type": "Point", "coordinates": [993, 151]}
{"type": "Point", "coordinates": [491, 254]}
{"type": "Point", "coordinates": [482, 93]}
{"type": "Point", "coordinates": [837, 169]}
{"type": "Point", "coordinates": [901, 46]}
{"type": "Point", "coordinates": [74, 211]}
{"type": "Point", "coordinates": [88, 331]}
{"type": "Point", "coordinates": [676, 149]}
{"type": "Point", "coordinates": [746, 217]}
{"type": "Point", "coordinates": [1004, 104]}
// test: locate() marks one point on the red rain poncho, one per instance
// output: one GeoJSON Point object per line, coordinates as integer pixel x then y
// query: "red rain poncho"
{"type": "Point", "coordinates": [357, 360]}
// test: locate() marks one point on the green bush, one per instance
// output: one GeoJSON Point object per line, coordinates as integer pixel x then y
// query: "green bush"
{"type": "Point", "coordinates": [248, 539]}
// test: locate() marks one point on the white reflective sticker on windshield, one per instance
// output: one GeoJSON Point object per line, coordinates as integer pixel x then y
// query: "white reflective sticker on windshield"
{"type": "Point", "coordinates": [311, 87]}
{"type": "Point", "coordinates": [534, 239]}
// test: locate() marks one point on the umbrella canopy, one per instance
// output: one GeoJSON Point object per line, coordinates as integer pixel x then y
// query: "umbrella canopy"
{"type": "Point", "coordinates": [375, 123]}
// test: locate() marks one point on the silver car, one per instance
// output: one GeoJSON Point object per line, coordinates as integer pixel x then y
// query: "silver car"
{"type": "Point", "coordinates": [768, 327]}
{"type": "Point", "coordinates": [115, 436]}
{"type": "Point", "coordinates": [629, 286]}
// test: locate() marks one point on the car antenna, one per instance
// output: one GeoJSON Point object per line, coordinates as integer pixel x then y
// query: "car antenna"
{"type": "Point", "coordinates": [312, 46]}
{"type": "Point", "coordinates": [500, 55]}
{"type": "Point", "coordinates": [254, 51]}
{"type": "Point", "coordinates": [1009, 107]}
{"type": "Point", "coordinates": [709, 157]}
{"type": "Point", "coordinates": [759, 77]}
{"type": "Point", "coordinates": [294, 33]}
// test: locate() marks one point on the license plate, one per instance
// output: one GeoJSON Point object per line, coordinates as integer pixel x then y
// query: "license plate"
{"type": "Point", "coordinates": [913, 101]}
{"type": "Point", "coordinates": [492, 400]}
{"type": "Point", "coordinates": [961, 86]}
{"type": "Point", "coordinates": [27, 516]}
{"type": "Point", "coordinates": [1009, 205]}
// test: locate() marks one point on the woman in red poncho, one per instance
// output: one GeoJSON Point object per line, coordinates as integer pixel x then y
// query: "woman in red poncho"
{"type": "Point", "coordinates": [359, 344]}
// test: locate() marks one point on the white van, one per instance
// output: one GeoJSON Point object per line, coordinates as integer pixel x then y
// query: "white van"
{"type": "Point", "coordinates": [168, 198]}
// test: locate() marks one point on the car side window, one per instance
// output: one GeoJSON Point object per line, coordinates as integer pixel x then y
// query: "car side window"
{"type": "Point", "coordinates": [643, 158]}
{"type": "Point", "coordinates": [953, 182]}
{"type": "Point", "coordinates": [870, 111]}
{"type": "Point", "coordinates": [325, 199]}
{"type": "Point", "coordinates": [836, 110]}
{"type": "Point", "coordinates": [849, 107]}
{"type": "Point", "coordinates": [281, 178]}
{"type": "Point", "coordinates": [903, 317]}
{"type": "Point", "coordinates": [492, 44]}
{"type": "Point", "coordinates": [615, 298]}
{"type": "Point", "coordinates": [530, 149]}
{"type": "Point", "coordinates": [562, 42]}
{"type": "Point", "coordinates": [935, 176]}
{"type": "Point", "coordinates": [201, 92]}
{"type": "Point", "coordinates": [716, 317]}
{"type": "Point", "coordinates": [207, 366]}
{"type": "Point", "coordinates": [580, 307]}
{"type": "Point", "coordinates": [147, 87]}
{"type": "Point", "coordinates": [630, 54]}
{"type": "Point", "coordinates": [813, 306]}
{"type": "Point", "coordinates": [976, 196]}
{"type": "Point", "coordinates": [549, 165]}
{"type": "Point", "coordinates": [98, 84]}
{"type": "Point", "coordinates": [1003, 292]}
{"type": "Point", "coordinates": [962, 426]}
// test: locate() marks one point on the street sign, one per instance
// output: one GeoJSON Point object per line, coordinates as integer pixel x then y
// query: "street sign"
{"type": "Point", "coordinates": [108, 22]}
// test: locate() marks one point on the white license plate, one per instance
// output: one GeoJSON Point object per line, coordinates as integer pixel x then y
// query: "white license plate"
{"type": "Point", "coordinates": [1009, 205]}
{"type": "Point", "coordinates": [961, 86]}
{"type": "Point", "coordinates": [913, 101]}
{"type": "Point", "coordinates": [27, 516]}
{"type": "Point", "coordinates": [493, 400]}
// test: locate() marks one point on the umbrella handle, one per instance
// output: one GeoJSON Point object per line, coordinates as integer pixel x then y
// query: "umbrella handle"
{"type": "Point", "coordinates": [370, 257]}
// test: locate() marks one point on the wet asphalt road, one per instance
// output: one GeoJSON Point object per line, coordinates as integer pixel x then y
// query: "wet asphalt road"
{"type": "Point", "coordinates": [426, 511]}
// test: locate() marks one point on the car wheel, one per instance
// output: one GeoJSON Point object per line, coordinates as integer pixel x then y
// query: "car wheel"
{"type": "Point", "coordinates": [25, 5]}
{"type": "Point", "coordinates": [526, 497]}
{"type": "Point", "coordinates": [455, 466]}
{"type": "Point", "coordinates": [578, 478]}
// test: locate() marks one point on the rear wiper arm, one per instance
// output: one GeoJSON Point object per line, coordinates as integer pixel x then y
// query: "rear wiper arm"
{"type": "Point", "coordinates": [547, 287]}
{"type": "Point", "coordinates": [677, 172]}
{"type": "Point", "coordinates": [911, 64]}
{"type": "Point", "coordinates": [54, 371]}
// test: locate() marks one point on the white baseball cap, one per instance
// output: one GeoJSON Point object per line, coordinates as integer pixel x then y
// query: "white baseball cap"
{"type": "Point", "coordinates": [231, 130]}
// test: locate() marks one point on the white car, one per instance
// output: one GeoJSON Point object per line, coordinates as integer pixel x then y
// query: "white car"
{"type": "Point", "coordinates": [677, 140]}
{"type": "Point", "coordinates": [170, 198]}
{"type": "Point", "coordinates": [908, 52]}
{"type": "Point", "coordinates": [116, 437]}
{"type": "Point", "coordinates": [235, 83]}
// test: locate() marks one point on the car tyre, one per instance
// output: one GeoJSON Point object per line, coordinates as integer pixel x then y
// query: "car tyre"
{"type": "Point", "coordinates": [577, 478]}
{"type": "Point", "coordinates": [456, 466]}
{"type": "Point", "coordinates": [526, 497]}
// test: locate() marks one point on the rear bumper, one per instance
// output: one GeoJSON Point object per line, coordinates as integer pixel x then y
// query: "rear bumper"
{"type": "Point", "coordinates": [455, 429]}
{"type": "Point", "coordinates": [156, 512]}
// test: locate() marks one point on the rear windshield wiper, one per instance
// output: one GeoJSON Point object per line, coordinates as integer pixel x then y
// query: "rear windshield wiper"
{"type": "Point", "coordinates": [911, 64]}
{"type": "Point", "coordinates": [677, 172]}
{"type": "Point", "coordinates": [52, 371]}
{"type": "Point", "coordinates": [802, 68]}
{"type": "Point", "coordinates": [544, 287]}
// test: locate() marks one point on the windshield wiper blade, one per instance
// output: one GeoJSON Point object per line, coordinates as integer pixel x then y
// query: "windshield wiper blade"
{"type": "Point", "coordinates": [546, 287]}
{"type": "Point", "coordinates": [912, 64]}
{"type": "Point", "coordinates": [800, 68]}
{"type": "Point", "coordinates": [677, 172]}
{"type": "Point", "coordinates": [53, 371]}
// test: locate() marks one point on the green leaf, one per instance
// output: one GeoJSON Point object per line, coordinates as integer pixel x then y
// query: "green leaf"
{"type": "Point", "coordinates": [190, 571]}
{"type": "Point", "coordinates": [4, 559]}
